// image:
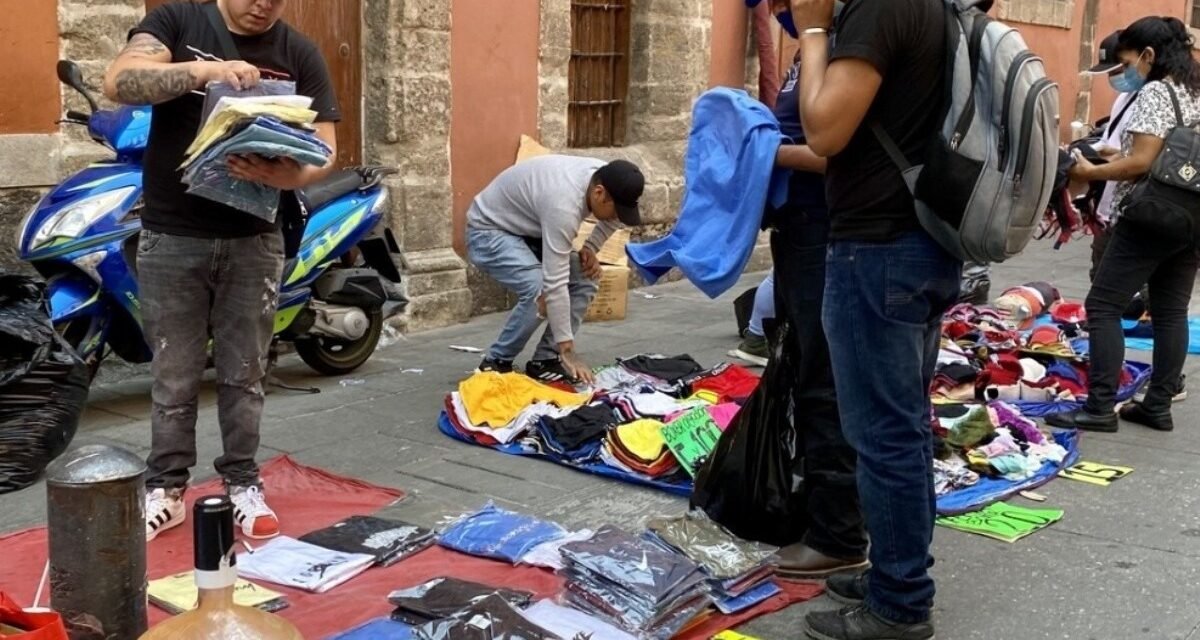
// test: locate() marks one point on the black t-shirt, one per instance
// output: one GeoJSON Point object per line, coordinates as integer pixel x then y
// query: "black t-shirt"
{"type": "Point", "coordinates": [186, 31]}
{"type": "Point", "coordinates": [905, 41]}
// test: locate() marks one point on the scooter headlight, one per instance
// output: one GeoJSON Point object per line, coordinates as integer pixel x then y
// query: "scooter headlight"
{"type": "Point", "coordinates": [75, 219]}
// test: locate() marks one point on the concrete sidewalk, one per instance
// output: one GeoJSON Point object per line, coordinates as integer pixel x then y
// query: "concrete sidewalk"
{"type": "Point", "coordinates": [1123, 563]}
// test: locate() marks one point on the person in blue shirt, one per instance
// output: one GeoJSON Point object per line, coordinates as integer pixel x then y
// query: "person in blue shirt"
{"type": "Point", "coordinates": [836, 540]}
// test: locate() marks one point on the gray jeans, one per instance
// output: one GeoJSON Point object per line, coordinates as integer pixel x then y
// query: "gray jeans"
{"type": "Point", "coordinates": [193, 289]}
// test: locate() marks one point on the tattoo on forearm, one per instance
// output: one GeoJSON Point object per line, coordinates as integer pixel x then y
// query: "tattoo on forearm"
{"type": "Point", "coordinates": [144, 44]}
{"type": "Point", "coordinates": [152, 86]}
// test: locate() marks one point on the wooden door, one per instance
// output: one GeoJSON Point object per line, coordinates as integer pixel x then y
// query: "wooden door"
{"type": "Point", "coordinates": [336, 27]}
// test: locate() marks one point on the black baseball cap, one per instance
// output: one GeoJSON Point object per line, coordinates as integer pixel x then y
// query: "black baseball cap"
{"type": "Point", "coordinates": [1108, 54]}
{"type": "Point", "coordinates": [624, 183]}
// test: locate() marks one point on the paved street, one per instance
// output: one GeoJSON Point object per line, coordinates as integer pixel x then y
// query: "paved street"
{"type": "Point", "coordinates": [1123, 563]}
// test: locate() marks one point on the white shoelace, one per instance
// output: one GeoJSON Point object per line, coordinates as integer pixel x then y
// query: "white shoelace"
{"type": "Point", "coordinates": [252, 503]}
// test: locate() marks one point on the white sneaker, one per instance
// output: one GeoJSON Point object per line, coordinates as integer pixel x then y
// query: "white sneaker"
{"type": "Point", "coordinates": [250, 510]}
{"type": "Point", "coordinates": [1179, 396]}
{"type": "Point", "coordinates": [164, 510]}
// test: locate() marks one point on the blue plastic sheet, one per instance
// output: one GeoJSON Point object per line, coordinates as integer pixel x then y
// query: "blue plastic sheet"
{"type": "Point", "coordinates": [989, 490]}
{"type": "Point", "coordinates": [681, 487]}
{"type": "Point", "coordinates": [498, 534]}
{"type": "Point", "coordinates": [1141, 375]}
{"type": "Point", "coordinates": [1136, 339]}
{"type": "Point", "coordinates": [377, 629]}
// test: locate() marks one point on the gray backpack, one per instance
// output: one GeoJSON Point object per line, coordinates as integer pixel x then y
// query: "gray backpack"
{"type": "Point", "coordinates": [987, 179]}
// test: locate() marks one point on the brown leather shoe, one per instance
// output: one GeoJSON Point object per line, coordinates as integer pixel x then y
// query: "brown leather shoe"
{"type": "Point", "coordinates": [801, 562]}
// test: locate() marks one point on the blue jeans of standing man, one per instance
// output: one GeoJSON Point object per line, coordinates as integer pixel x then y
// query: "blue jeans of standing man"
{"type": "Point", "coordinates": [509, 260]}
{"type": "Point", "coordinates": [883, 315]}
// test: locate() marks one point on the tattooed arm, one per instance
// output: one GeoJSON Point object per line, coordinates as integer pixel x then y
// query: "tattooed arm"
{"type": "Point", "coordinates": [144, 74]}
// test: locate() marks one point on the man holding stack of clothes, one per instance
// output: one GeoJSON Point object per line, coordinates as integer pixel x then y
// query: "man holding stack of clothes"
{"type": "Point", "coordinates": [206, 268]}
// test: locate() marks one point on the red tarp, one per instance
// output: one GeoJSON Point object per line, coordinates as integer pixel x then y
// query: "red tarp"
{"type": "Point", "coordinates": [307, 499]}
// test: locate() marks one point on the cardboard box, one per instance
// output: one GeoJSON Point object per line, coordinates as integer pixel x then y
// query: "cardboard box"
{"type": "Point", "coordinates": [613, 251]}
{"type": "Point", "coordinates": [612, 297]}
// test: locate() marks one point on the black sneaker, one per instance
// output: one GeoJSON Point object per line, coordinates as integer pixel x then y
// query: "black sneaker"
{"type": "Point", "coordinates": [859, 623]}
{"type": "Point", "coordinates": [1084, 420]}
{"type": "Point", "coordinates": [546, 371]}
{"type": "Point", "coordinates": [1137, 414]}
{"type": "Point", "coordinates": [492, 364]}
{"type": "Point", "coordinates": [847, 588]}
{"type": "Point", "coordinates": [753, 349]}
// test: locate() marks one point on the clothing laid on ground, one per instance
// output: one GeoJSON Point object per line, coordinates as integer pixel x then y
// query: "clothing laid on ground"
{"type": "Point", "coordinates": [905, 41]}
{"type": "Point", "coordinates": [571, 624]}
{"type": "Point", "coordinates": [300, 565]}
{"type": "Point", "coordinates": [543, 197]}
{"type": "Point", "coordinates": [442, 597]}
{"type": "Point", "coordinates": [670, 370]}
{"type": "Point", "coordinates": [390, 541]}
{"type": "Point", "coordinates": [496, 533]}
{"type": "Point", "coordinates": [730, 175]}
{"type": "Point", "coordinates": [734, 384]}
{"type": "Point", "coordinates": [582, 425]}
{"type": "Point", "coordinates": [184, 28]}
{"type": "Point", "coordinates": [497, 398]}
{"type": "Point", "coordinates": [491, 615]}
{"type": "Point", "coordinates": [718, 552]}
{"type": "Point", "coordinates": [508, 260]}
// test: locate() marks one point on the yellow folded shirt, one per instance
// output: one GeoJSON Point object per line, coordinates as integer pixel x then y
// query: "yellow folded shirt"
{"type": "Point", "coordinates": [223, 121]}
{"type": "Point", "coordinates": [494, 399]}
{"type": "Point", "coordinates": [642, 438]}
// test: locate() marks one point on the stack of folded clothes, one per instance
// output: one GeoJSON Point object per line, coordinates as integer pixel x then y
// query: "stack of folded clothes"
{"type": "Point", "coordinates": [271, 126]}
{"type": "Point", "coordinates": [739, 572]}
{"type": "Point", "coordinates": [490, 618]}
{"type": "Point", "coordinates": [576, 436]}
{"type": "Point", "coordinates": [638, 447]}
{"type": "Point", "coordinates": [634, 584]}
{"type": "Point", "coordinates": [499, 534]}
{"type": "Point", "coordinates": [390, 541]}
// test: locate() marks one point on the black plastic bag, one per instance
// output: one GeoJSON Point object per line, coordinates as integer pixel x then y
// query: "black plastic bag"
{"type": "Point", "coordinates": [750, 483]}
{"type": "Point", "coordinates": [43, 385]}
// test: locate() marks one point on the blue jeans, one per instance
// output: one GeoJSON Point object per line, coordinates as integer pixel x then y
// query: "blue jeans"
{"type": "Point", "coordinates": [509, 261]}
{"type": "Point", "coordinates": [882, 314]}
{"type": "Point", "coordinates": [764, 305]}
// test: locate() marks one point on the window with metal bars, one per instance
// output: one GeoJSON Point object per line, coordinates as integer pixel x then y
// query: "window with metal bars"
{"type": "Point", "coordinates": [599, 73]}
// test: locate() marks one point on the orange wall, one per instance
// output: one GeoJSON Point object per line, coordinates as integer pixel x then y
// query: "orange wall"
{"type": "Point", "coordinates": [494, 80]}
{"type": "Point", "coordinates": [30, 100]}
{"type": "Point", "coordinates": [730, 20]}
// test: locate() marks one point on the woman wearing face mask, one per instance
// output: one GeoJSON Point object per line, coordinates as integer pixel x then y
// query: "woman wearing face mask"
{"type": "Point", "coordinates": [1157, 58]}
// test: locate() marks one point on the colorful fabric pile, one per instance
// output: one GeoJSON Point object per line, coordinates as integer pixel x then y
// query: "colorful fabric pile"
{"type": "Point", "coordinates": [992, 440]}
{"type": "Point", "coordinates": [615, 428]}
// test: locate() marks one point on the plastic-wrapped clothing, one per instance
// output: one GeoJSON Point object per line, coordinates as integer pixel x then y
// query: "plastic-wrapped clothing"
{"type": "Point", "coordinates": [43, 385]}
{"type": "Point", "coordinates": [300, 565]}
{"type": "Point", "coordinates": [721, 554]}
{"type": "Point", "coordinates": [209, 177]}
{"type": "Point", "coordinates": [571, 624]}
{"type": "Point", "coordinates": [390, 541]}
{"type": "Point", "coordinates": [491, 618]}
{"type": "Point", "coordinates": [443, 597]}
{"type": "Point", "coordinates": [378, 629]}
{"type": "Point", "coordinates": [634, 564]}
{"type": "Point", "coordinates": [495, 533]}
{"type": "Point", "coordinates": [753, 597]}
{"type": "Point", "coordinates": [548, 555]}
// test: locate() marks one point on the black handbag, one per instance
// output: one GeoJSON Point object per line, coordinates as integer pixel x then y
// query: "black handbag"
{"type": "Point", "coordinates": [1165, 202]}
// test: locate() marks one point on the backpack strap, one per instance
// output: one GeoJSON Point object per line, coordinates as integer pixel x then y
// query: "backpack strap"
{"type": "Point", "coordinates": [889, 145]}
{"type": "Point", "coordinates": [229, 49]}
{"type": "Point", "coordinates": [1115, 122]}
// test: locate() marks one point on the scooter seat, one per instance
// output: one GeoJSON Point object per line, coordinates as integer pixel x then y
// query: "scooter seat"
{"type": "Point", "coordinates": [336, 185]}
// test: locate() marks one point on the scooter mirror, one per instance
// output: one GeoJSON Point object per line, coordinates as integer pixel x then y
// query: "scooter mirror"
{"type": "Point", "coordinates": [70, 74]}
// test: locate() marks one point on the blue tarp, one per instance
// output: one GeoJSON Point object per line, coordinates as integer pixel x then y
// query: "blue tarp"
{"type": "Point", "coordinates": [1042, 409]}
{"type": "Point", "coordinates": [681, 488]}
{"type": "Point", "coordinates": [990, 490]}
{"type": "Point", "coordinates": [1140, 338]}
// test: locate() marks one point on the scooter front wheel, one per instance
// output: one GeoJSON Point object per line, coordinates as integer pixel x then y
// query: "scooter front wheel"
{"type": "Point", "coordinates": [336, 357]}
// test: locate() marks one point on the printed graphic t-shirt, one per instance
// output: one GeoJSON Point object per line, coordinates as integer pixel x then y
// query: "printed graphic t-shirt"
{"type": "Point", "coordinates": [184, 28]}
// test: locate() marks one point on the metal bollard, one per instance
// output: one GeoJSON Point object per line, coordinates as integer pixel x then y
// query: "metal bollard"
{"type": "Point", "coordinates": [95, 498]}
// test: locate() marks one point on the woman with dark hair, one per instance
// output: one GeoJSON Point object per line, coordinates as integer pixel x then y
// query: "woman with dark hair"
{"type": "Point", "coordinates": [1156, 54]}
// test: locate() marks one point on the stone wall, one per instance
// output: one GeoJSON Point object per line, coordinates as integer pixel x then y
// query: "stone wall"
{"type": "Point", "coordinates": [408, 96]}
{"type": "Point", "coordinates": [91, 32]}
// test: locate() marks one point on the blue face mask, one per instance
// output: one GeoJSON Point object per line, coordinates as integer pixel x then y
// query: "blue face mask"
{"type": "Point", "coordinates": [1130, 81]}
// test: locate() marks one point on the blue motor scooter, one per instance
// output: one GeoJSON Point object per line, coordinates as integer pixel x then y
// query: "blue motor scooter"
{"type": "Point", "coordinates": [336, 294]}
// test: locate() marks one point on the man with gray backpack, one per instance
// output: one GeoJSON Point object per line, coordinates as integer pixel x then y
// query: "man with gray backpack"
{"type": "Point", "coordinates": [910, 83]}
